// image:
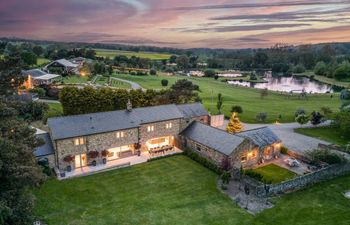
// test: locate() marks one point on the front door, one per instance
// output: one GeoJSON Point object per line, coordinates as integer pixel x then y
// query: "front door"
{"type": "Point", "coordinates": [80, 160]}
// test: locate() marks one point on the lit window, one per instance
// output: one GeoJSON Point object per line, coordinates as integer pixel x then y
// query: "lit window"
{"type": "Point", "coordinates": [120, 134]}
{"type": "Point", "coordinates": [150, 128]}
{"type": "Point", "coordinates": [168, 125]}
{"type": "Point", "coordinates": [79, 141]}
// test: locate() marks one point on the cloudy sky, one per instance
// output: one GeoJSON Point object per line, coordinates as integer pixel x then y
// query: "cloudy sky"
{"type": "Point", "coordinates": [178, 23]}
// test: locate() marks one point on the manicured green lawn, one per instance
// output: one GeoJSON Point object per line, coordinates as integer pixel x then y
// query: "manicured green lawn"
{"type": "Point", "coordinates": [75, 79]}
{"type": "Point", "coordinates": [42, 61]}
{"type": "Point", "coordinates": [177, 190]}
{"type": "Point", "coordinates": [149, 55]}
{"type": "Point", "coordinates": [274, 174]}
{"type": "Point", "coordinates": [329, 134]}
{"type": "Point", "coordinates": [120, 84]}
{"type": "Point", "coordinates": [55, 106]}
{"type": "Point", "coordinates": [249, 99]}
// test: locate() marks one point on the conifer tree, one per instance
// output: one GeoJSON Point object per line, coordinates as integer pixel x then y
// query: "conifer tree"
{"type": "Point", "coordinates": [234, 125]}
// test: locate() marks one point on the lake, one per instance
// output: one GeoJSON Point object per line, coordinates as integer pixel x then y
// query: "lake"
{"type": "Point", "coordinates": [287, 84]}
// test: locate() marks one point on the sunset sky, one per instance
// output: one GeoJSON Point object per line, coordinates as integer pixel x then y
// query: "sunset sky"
{"type": "Point", "coordinates": [178, 23]}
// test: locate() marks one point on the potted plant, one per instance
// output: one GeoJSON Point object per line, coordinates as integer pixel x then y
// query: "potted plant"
{"type": "Point", "coordinates": [69, 159]}
{"type": "Point", "coordinates": [93, 155]}
{"type": "Point", "coordinates": [105, 155]}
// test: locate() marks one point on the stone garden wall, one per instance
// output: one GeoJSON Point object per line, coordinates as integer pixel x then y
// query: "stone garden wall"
{"type": "Point", "coordinates": [305, 180]}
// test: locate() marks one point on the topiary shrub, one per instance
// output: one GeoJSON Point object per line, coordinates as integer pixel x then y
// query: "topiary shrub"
{"type": "Point", "coordinates": [164, 82]}
{"type": "Point", "coordinates": [284, 150]}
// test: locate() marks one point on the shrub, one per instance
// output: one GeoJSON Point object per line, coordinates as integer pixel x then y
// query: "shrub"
{"type": "Point", "coordinates": [345, 94]}
{"type": "Point", "coordinates": [153, 72]}
{"type": "Point", "coordinates": [225, 177]}
{"type": "Point", "coordinates": [316, 118]}
{"type": "Point", "coordinates": [299, 112]}
{"type": "Point", "coordinates": [299, 69]}
{"type": "Point", "coordinates": [203, 161]}
{"type": "Point", "coordinates": [209, 73]}
{"type": "Point", "coordinates": [237, 109]}
{"type": "Point", "coordinates": [164, 82]}
{"type": "Point", "coordinates": [323, 155]}
{"type": "Point", "coordinates": [284, 150]}
{"type": "Point", "coordinates": [40, 91]}
{"type": "Point", "coordinates": [261, 117]}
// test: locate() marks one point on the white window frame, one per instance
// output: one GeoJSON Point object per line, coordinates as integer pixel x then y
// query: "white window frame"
{"type": "Point", "coordinates": [168, 125]}
{"type": "Point", "coordinates": [79, 141]}
{"type": "Point", "coordinates": [120, 134]}
{"type": "Point", "coordinates": [150, 128]}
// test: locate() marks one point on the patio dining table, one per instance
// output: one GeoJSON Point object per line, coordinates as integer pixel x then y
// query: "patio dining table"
{"type": "Point", "coordinates": [161, 149]}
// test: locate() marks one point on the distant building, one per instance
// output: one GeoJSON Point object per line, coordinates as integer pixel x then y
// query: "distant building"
{"type": "Point", "coordinates": [36, 77]}
{"type": "Point", "coordinates": [196, 73]}
{"type": "Point", "coordinates": [63, 66]}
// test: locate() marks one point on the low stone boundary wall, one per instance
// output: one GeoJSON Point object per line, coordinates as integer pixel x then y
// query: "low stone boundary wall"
{"type": "Point", "coordinates": [305, 180]}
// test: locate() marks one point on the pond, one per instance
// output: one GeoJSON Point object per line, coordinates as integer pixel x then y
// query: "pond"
{"type": "Point", "coordinates": [287, 84]}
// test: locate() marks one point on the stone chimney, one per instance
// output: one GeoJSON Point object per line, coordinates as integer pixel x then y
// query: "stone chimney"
{"type": "Point", "coordinates": [129, 106]}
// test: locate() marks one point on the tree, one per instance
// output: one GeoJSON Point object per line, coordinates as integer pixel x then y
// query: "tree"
{"type": "Point", "coordinates": [29, 58]}
{"type": "Point", "coordinates": [219, 102]}
{"type": "Point", "coordinates": [209, 73]}
{"type": "Point", "coordinates": [183, 62]}
{"type": "Point", "coordinates": [38, 50]}
{"type": "Point", "coordinates": [18, 168]}
{"type": "Point", "coordinates": [153, 72]}
{"type": "Point", "coordinates": [234, 125]}
{"type": "Point", "coordinates": [343, 71]}
{"type": "Point", "coordinates": [164, 82]}
{"type": "Point", "coordinates": [261, 117]}
{"type": "Point", "coordinates": [345, 94]}
{"type": "Point", "coordinates": [316, 118]}
{"type": "Point", "coordinates": [320, 69]}
{"type": "Point", "coordinates": [342, 122]}
{"type": "Point", "coordinates": [10, 69]}
{"type": "Point", "coordinates": [302, 119]}
{"type": "Point", "coordinates": [237, 109]}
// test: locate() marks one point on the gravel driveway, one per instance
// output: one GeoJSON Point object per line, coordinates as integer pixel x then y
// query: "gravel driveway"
{"type": "Point", "coordinates": [294, 141]}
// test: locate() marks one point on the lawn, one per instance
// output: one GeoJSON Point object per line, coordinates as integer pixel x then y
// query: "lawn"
{"type": "Point", "coordinates": [326, 80]}
{"type": "Point", "coordinates": [249, 99]}
{"type": "Point", "coordinates": [177, 190]}
{"type": "Point", "coordinates": [149, 55]}
{"type": "Point", "coordinates": [274, 174]}
{"type": "Point", "coordinates": [42, 61]}
{"type": "Point", "coordinates": [75, 79]}
{"type": "Point", "coordinates": [329, 134]}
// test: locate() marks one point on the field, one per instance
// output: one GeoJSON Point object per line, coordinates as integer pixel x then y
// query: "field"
{"type": "Point", "coordinates": [249, 99]}
{"type": "Point", "coordinates": [149, 55]}
{"type": "Point", "coordinates": [329, 134]}
{"type": "Point", "coordinates": [177, 190]}
{"type": "Point", "coordinates": [75, 79]}
{"type": "Point", "coordinates": [42, 61]}
{"type": "Point", "coordinates": [274, 174]}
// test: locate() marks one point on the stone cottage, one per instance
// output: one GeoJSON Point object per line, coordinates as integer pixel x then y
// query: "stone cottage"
{"type": "Point", "coordinates": [81, 141]}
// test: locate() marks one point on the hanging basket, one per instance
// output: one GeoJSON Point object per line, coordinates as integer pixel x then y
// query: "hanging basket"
{"type": "Point", "coordinates": [68, 158]}
{"type": "Point", "coordinates": [93, 154]}
{"type": "Point", "coordinates": [105, 153]}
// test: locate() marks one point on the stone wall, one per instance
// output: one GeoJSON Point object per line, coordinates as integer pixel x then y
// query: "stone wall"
{"type": "Point", "coordinates": [50, 159]}
{"type": "Point", "coordinates": [160, 130]}
{"type": "Point", "coordinates": [306, 180]}
{"type": "Point", "coordinates": [210, 154]}
{"type": "Point", "coordinates": [96, 142]}
{"type": "Point", "coordinates": [185, 122]}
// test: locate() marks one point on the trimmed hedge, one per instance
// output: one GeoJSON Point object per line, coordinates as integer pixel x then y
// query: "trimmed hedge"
{"type": "Point", "coordinates": [203, 161]}
{"type": "Point", "coordinates": [164, 156]}
{"type": "Point", "coordinates": [255, 175]}
{"type": "Point", "coordinates": [284, 150]}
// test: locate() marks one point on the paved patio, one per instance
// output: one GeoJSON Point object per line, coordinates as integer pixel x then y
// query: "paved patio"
{"type": "Point", "coordinates": [115, 164]}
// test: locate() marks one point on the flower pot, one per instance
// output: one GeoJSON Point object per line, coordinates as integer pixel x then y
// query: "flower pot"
{"type": "Point", "coordinates": [94, 163]}
{"type": "Point", "coordinates": [138, 153]}
{"type": "Point", "coordinates": [104, 160]}
{"type": "Point", "coordinates": [69, 168]}
{"type": "Point", "coordinates": [62, 174]}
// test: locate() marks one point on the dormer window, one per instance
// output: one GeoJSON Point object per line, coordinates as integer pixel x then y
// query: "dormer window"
{"type": "Point", "coordinates": [168, 125]}
{"type": "Point", "coordinates": [79, 141]}
{"type": "Point", "coordinates": [150, 128]}
{"type": "Point", "coordinates": [120, 134]}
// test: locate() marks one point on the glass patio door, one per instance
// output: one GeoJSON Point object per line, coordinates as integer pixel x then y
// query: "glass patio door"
{"type": "Point", "coordinates": [80, 160]}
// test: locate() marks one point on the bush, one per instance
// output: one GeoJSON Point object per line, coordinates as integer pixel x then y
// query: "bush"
{"type": "Point", "coordinates": [153, 72]}
{"type": "Point", "coordinates": [164, 82]}
{"type": "Point", "coordinates": [203, 161]}
{"type": "Point", "coordinates": [261, 117]}
{"type": "Point", "coordinates": [345, 94]}
{"type": "Point", "coordinates": [284, 150]}
{"type": "Point", "coordinates": [299, 112]}
{"type": "Point", "coordinates": [323, 155]}
{"type": "Point", "coordinates": [237, 109]}
{"type": "Point", "coordinates": [225, 177]}
{"type": "Point", "coordinates": [209, 73]}
{"type": "Point", "coordinates": [320, 68]}
{"type": "Point", "coordinates": [299, 69]}
{"type": "Point", "coordinates": [40, 91]}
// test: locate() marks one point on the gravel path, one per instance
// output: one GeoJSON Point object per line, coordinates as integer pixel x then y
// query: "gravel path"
{"type": "Point", "coordinates": [134, 85]}
{"type": "Point", "coordinates": [294, 141]}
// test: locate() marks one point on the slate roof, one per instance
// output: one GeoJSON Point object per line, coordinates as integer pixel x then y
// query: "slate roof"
{"type": "Point", "coordinates": [192, 110]}
{"type": "Point", "coordinates": [211, 137]}
{"type": "Point", "coordinates": [93, 123]}
{"type": "Point", "coordinates": [33, 72]}
{"type": "Point", "coordinates": [261, 137]}
{"type": "Point", "coordinates": [45, 149]}
{"type": "Point", "coordinates": [66, 63]}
